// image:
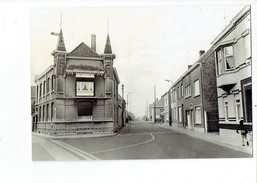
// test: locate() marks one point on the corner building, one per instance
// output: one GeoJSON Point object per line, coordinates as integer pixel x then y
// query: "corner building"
{"type": "Point", "coordinates": [79, 93]}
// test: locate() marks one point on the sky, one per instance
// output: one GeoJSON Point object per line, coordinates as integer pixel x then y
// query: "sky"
{"type": "Point", "coordinates": [152, 43]}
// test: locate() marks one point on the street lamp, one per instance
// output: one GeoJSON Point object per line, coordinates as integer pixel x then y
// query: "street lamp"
{"type": "Point", "coordinates": [169, 102]}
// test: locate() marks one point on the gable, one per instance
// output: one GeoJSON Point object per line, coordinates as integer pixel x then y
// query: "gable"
{"type": "Point", "coordinates": [83, 50]}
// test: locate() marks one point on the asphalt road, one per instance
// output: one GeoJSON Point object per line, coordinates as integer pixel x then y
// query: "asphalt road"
{"type": "Point", "coordinates": [146, 141]}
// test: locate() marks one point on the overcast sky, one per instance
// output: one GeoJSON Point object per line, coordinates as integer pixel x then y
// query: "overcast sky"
{"type": "Point", "coordinates": [151, 43]}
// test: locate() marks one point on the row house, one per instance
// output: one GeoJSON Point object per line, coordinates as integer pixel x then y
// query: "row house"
{"type": "Point", "coordinates": [233, 60]}
{"type": "Point", "coordinates": [78, 94]}
{"type": "Point", "coordinates": [215, 93]}
{"type": "Point", "coordinates": [193, 96]}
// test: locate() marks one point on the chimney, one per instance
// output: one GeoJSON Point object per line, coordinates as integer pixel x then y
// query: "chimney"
{"type": "Point", "coordinates": [189, 66]}
{"type": "Point", "coordinates": [93, 42]}
{"type": "Point", "coordinates": [201, 52]}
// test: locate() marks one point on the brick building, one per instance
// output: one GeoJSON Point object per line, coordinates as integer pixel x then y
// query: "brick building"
{"type": "Point", "coordinates": [78, 94]}
{"type": "Point", "coordinates": [194, 96]}
{"type": "Point", "coordinates": [233, 69]}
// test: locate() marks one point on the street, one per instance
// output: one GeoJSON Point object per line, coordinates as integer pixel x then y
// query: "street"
{"type": "Point", "coordinates": [140, 140]}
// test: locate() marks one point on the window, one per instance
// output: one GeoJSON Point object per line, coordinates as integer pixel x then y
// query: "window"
{"type": "Point", "coordinates": [179, 114]}
{"type": "Point", "coordinates": [197, 88]}
{"type": "Point", "coordinates": [225, 59]}
{"type": "Point", "coordinates": [228, 57]}
{"type": "Point", "coordinates": [182, 90]}
{"type": "Point", "coordinates": [220, 62]}
{"type": "Point", "coordinates": [44, 87]}
{"type": "Point", "coordinates": [52, 111]}
{"type": "Point", "coordinates": [39, 114]}
{"type": "Point", "coordinates": [238, 110]}
{"type": "Point", "coordinates": [47, 85]}
{"type": "Point", "coordinates": [198, 115]}
{"type": "Point", "coordinates": [52, 83]}
{"type": "Point", "coordinates": [247, 46]}
{"type": "Point", "coordinates": [40, 90]}
{"type": "Point", "coordinates": [43, 113]}
{"type": "Point", "coordinates": [85, 110]}
{"type": "Point", "coordinates": [188, 91]}
{"type": "Point", "coordinates": [85, 88]}
{"type": "Point", "coordinates": [178, 92]}
{"type": "Point", "coordinates": [226, 110]}
{"type": "Point", "coordinates": [47, 112]}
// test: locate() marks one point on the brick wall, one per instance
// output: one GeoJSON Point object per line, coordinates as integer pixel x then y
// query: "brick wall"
{"type": "Point", "coordinates": [209, 88]}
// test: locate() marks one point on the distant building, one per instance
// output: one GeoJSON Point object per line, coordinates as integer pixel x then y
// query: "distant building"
{"type": "Point", "coordinates": [79, 93]}
{"type": "Point", "coordinates": [156, 109]}
{"type": "Point", "coordinates": [166, 106]}
{"type": "Point", "coordinates": [233, 60]}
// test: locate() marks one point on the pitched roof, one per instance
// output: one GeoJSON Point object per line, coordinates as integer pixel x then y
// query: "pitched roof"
{"type": "Point", "coordinates": [108, 48]}
{"type": "Point", "coordinates": [82, 50]}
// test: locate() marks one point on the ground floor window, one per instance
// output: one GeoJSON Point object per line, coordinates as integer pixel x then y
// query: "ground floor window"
{"type": "Point", "coordinates": [198, 115]}
{"type": "Point", "coordinates": [179, 114]}
{"type": "Point", "coordinates": [226, 111]}
{"type": "Point", "coordinates": [85, 110]}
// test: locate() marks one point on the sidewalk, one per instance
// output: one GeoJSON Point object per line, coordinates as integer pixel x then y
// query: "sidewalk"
{"type": "Point", "coordinates": [214, 138]}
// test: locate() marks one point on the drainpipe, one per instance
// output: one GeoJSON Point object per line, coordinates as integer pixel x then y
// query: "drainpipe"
{"type": "Point", "coordinates": [202, 93]}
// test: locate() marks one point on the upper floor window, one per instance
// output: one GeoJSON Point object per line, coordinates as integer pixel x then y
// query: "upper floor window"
{"type": "Point", "coordinates": [85, 88]}
{"type": "Point", "coordinates": [188, 91]}
{"type": "Point", "coordinates": [197, 87]}
{"type": "Point", "coordinates": [225, 59]}
{"type": "Point", "coordinates": [228, 57]}
{"type": "Point", "coordinates": [182, 90]}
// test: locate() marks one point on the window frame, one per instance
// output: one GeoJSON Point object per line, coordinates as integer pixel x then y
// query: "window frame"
{"type": "Point", "coordinates": [195, 116]}
{"type": "Point", "coordinates": [85, 80]}
{"type": "Point", "coordinates": [197, 94]}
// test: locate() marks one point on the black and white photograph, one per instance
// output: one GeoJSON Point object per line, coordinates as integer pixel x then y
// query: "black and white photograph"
{"type": "Point", "coordinates": [150, 83]}
{"type": "Point", "coordinates": [129, 91]}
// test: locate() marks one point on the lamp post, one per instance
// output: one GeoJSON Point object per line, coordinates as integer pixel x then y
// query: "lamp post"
{"type": "Point", "coordinates": [169, 102]}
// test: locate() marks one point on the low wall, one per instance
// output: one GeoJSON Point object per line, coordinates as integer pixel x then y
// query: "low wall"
{"type": "Point", "coordinates": [74, 128]}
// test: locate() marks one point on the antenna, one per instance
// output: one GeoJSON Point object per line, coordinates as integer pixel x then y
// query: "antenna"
{"type": "Point", "coordinates": [108, 25]}
{"type": "Point", "coordinates": [61, 21]}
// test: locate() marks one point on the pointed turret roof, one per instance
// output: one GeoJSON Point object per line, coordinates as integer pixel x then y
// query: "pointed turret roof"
{"type": "Point", "coordinates": [108, 48]}
{"type": "Point", "coordinates": [60, 44]}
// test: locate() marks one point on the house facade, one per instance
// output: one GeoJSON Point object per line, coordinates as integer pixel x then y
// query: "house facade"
{"type": "Point", "coordinates": [79, 93]}
{"type": "Point", "coordinates": [233, 62]}
{"type": "Point", "coordinates": [193, 96]}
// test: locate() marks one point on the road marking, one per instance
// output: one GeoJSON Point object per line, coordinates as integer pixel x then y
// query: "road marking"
{"type": "Point", "coordinates": [122, 147]}
{"type": "Point", "coordinates": [143, 133]}
{"type": "Point", "coordinates": [83, 154]}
